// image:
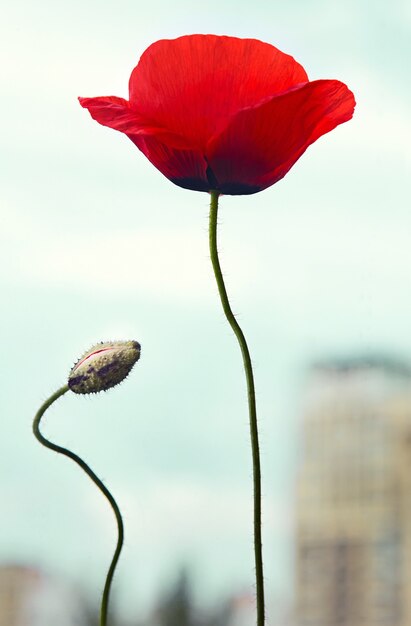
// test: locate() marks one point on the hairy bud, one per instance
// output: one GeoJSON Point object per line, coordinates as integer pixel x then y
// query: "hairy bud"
{"type": "Point", "coordinates": [103, 366]}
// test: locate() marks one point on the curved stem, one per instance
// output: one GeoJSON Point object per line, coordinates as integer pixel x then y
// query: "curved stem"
{"type": "Point", "coordinates": [251, 405]}
{"type": "Point", "coordinates": [97, 482]}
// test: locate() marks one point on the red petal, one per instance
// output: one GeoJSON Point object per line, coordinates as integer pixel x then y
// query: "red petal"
{"type": "Point", "coordinates": [260, 144]}
{"type": "Point", "coordinates": [167, 151]}
{"type": "Point", "coordinates": [113, 112]}
{"type": "Point", "coordinates": [185, 168]}
{"type": "Point", "coordinates": [118, 114]}
{"type": "Point", "coordinates": [192, 85]}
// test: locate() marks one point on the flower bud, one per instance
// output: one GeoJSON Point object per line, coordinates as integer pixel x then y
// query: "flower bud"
{"type": "Point", "coordinates": [103, 366]}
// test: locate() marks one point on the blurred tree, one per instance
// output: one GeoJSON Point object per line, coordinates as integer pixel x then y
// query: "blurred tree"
{"type": "Point", "coordinates": [177, 607]}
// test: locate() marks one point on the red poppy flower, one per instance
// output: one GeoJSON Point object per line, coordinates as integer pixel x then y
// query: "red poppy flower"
{"type": "Point", "coordinates": [222, 113]}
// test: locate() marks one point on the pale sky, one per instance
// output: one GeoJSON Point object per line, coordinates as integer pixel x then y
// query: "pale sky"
{"type": "Point", "coordinates": [97, 245]}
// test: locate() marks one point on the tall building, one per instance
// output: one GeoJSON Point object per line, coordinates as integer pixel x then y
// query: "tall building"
{"type": "Point", "coordinates": [353, 553]}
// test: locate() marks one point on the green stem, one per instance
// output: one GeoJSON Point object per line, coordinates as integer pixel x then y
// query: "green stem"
{"type": "Point", "coordinates": [52, 446]}
{"type": "Point", "coordinates": [251, 405]}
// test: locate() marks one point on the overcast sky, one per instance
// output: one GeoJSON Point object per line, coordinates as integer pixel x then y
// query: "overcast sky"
{"type": "Point", "coordinates": [97, 245]}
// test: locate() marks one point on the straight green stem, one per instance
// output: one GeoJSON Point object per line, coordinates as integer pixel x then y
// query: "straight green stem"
{"type": "Point", "coordinates": [251, 405]}
{"type": "Point", "coordinates": [71, 455]}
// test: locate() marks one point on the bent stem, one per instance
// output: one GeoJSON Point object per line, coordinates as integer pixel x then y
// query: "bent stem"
{"type": "Point", "coordinates": [251, 405]}
{"type": "Point", "coordinates": [71, 455]}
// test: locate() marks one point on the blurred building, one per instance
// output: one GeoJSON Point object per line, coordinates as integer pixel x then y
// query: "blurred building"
{"type": "Point", "coordinates": [353, 558]}
{"type": "Point", "coordinates": [30, 598]}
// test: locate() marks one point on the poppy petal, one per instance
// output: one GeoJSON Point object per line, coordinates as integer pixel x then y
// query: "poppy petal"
{"type": "Point", "coordinates": [167, 151]}
{"type": "Point", "coordinates": [193, 84]}
{"type": "Point", "coordinates": [186, 168]}
{"type": "Point", "coordinates": [261, 143]}
{"type": "Point", "coordinates": [118, 114]}
{"type": "Point", "coordinates": [113, 112]}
